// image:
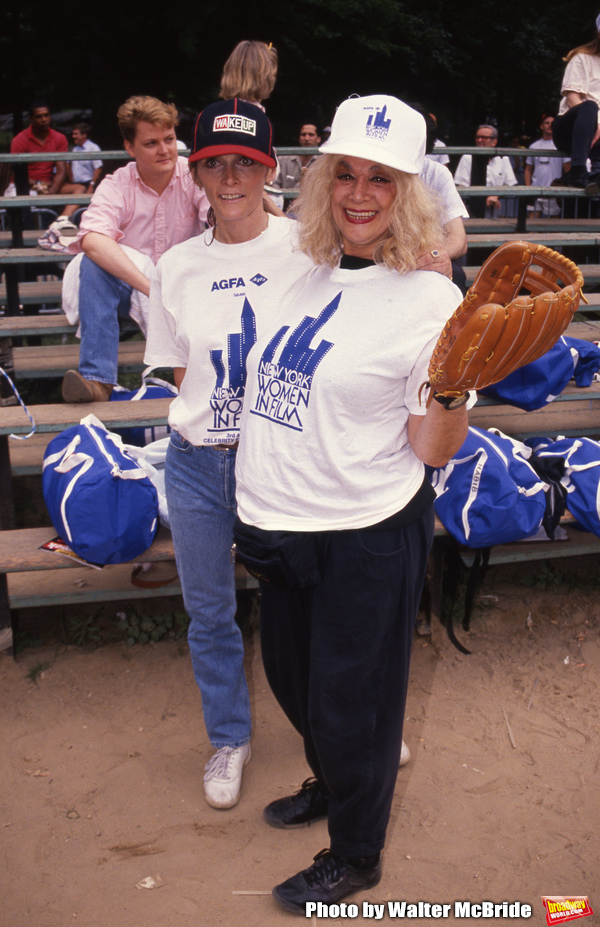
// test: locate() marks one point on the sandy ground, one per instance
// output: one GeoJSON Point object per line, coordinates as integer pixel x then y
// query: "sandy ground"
{"type": "Point", "coordinates": [102, 762]}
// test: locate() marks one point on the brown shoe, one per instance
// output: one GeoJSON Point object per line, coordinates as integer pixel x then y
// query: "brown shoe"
{"type": "Point", "coordinates": [76, 388]}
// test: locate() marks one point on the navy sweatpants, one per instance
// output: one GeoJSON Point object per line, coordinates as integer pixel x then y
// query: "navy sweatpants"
{"type": "Point", "coordinates": [337, 657]}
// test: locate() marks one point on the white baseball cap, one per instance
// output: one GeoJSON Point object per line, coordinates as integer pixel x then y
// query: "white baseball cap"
{"type": "Point", "coordinates": [379, 128]}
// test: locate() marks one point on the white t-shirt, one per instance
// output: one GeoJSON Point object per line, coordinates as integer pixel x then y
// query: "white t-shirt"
{"type": "Point", "coordinates": [83, 171]}
{"type": "Point", "coordinates": [545, 169]}
{"type": "Point", "coordinates": [440, 179]}
{"type": "Point", "coordinates": [324, 430]}
{"type": "Point", "coordinates": [499, 172]}
{"type": "Point", "coordinates": [582, 75]}
{"type": "Point", "coordinates": [208, 301]}
{"type": "Point", "coordinates": [439, 158]}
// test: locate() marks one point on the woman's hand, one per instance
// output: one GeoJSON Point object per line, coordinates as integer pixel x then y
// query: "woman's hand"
{"type": "Point", "coordinates": [438, 260]}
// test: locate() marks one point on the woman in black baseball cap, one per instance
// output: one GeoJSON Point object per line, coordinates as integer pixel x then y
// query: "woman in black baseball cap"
{"type": "Point", "coordinates": [208, 300]}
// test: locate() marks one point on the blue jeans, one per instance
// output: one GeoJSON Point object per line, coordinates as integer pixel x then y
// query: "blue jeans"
{"type": "Point", "coordinates": [102, 299]}
{"type": "Point", "coordinates": [200, 486]}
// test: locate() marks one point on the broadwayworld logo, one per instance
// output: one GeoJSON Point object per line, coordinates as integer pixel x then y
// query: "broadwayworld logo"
{"type": "Point", "coordinates": [560, 908]}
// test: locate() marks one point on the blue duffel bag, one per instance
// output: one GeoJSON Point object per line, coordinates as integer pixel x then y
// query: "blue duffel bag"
{"type": "Point", "coordinates": [581, 478]}
{"type": "Point", "coordinates": [489, 493]}
{"type": "Point", "coordinates": [151, 388]}
{"type": "Point", "coordinates": [101, 501]}
{"type": "Point", "coordinates": [538, 383]}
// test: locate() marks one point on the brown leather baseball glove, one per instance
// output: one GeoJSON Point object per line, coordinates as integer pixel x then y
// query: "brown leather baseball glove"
{"type": "Point", "coordinates": [495, 330]}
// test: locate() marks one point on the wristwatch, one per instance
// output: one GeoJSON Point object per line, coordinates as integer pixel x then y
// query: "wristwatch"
{"type": "Point", "coordinates": [451, 402]}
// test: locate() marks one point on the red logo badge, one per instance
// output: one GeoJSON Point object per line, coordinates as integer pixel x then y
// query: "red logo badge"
{"type": "Point", "coordinates": [561, 908]}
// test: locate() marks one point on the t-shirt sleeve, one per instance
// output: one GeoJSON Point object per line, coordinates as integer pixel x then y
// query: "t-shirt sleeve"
{"type": "Point", "coordinates": [575, 77]}
{"type": "Point", "coordinates": [454, 206]}
{"type": "Point", "coordinates": [163, 347]}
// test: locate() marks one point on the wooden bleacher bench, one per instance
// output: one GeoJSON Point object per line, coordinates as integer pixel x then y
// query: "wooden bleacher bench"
{"type": "Point", "coordinates": [54, 360]}
{"type": "Point", "coordinates": [33, 255]}
{"type": "Point", "coordinates": [55, 580]}
{"type": "Point", "coordinates": [35, 293]}
{"type": "Point", "coordinates": [555, 240]}
{"type": "Point", "coordinates": [30, 237]}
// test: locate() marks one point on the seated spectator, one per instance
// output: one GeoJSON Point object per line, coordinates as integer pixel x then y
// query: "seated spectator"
{"type": "Point", "coordinates": [494, 171]}
{"type": "Point", "coordinates": [440, 157]}
{"type": "Point", "coordinates": [540, 170]}
{"type": "Point", "coordinates": [293, 167]}
{"type": "Point", "coordinates": [249, 73]}
{"type": "Point", "coordinates": [576, 130]}
{"type": "Point", "coordinates": [82, 176]}
{"type": "Point", "coordinates": [44, 176]}
{"type": "Point", "coordinates": [149, 205]}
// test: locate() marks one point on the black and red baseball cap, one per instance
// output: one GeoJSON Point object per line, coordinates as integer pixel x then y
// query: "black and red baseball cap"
{"type": "Point", "coordinates": [233, 127]}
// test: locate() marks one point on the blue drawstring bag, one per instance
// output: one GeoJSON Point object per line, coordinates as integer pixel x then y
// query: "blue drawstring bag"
{"type": "Point", "coordinates": [581, 477]}
{"type": "Point", "coordinates": [587, 362]}
{"type": "Point", "coordinates": [100, 500]}
{"type": "Point", "coordinates": [489, 493]}
{"type": "Point", "coordinates": [535, 385]}
{"type": "Point", "coordinates": [151, 388]}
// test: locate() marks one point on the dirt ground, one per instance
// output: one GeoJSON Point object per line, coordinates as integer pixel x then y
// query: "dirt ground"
{"type": "Point", "coordinates": [103, 754]}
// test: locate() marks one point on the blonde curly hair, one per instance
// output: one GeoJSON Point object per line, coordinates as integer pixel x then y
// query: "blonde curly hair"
{"type": "Point", "coordinates": [414, 218]}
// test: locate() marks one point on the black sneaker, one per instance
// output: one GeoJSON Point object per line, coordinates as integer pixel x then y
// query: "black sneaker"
{"type": "Point", "coordinates": [328, 880]}
{"type": "Point", "coordinates": [306, 805]}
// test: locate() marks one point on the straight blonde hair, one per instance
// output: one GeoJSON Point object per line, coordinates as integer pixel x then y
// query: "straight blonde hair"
{"type": "Point", "coordinates": [590, 48]}
{"type": "Point", "coordinates": [414, 218]}
{"type": "Point", "coordinates": [249, 72]}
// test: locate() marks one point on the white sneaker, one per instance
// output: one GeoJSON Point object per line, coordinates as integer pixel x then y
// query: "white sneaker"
{"type": "Point", "coordinates": [404, 754]}
{"type": "Point", "coordinates": [64, 226]}
{"type": "Point", "coordinates": [223, 776]}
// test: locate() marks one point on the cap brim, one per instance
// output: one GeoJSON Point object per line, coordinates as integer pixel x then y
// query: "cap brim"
{"type": "Point", "coordinates": [369, 151]}
{"type": "Point", "coordinates": [215, 150]}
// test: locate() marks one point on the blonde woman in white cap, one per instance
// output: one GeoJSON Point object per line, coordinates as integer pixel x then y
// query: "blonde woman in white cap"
{"type": "Point", "coordinates": [335, 512]}
{"type": "Point", "coordinates": [576, 129]}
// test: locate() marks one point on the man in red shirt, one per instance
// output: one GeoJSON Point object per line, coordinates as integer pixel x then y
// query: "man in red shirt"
{"type": "Point", "coordinates": [45, 176]}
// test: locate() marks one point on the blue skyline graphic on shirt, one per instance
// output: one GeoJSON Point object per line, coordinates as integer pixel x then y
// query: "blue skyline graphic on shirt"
{"type": "Point", "coordinates": [226, 400]}
{"type": "Point", "coordinates": [285, 382]}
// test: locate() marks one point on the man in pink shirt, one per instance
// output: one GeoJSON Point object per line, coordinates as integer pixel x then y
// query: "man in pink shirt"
{"type": "Point", "coordinates": [149, 205]}
{"type": "Point", "coordinates": [45, 176]}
